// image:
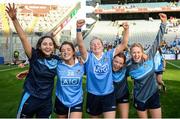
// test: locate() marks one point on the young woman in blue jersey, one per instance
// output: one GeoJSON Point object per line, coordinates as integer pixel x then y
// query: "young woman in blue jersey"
{"type": "Point", "coordinates": [121, 84]}
{"type": "Point", "coordinates": [160, 65]}
{"type": "Point", "coordinates": [98, 66]}
{"type": "Point", "coordinates": [146, 95]}
{"type": "Point", "coordinates": [69, 92]}
{"type": "Point", "coordinates": [37, 93]}
{"type": "Point", "coordinates": [120, 63]}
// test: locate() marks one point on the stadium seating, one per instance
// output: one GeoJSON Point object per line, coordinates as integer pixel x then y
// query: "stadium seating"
{"type": "Point", "coordinates": [141, 31]}
{"type": "Point", "coordinates": [4, 20]}
{"type": "Point", "coordinates": [36, 20]}
{"type": "Point", "coordinates": [33, 19]}
{"type": "Point", "coordinates": [137, 5]}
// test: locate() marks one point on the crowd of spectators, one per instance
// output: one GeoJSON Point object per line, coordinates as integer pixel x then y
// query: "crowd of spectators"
{"type": "Point", "coordinates": [172, 47]}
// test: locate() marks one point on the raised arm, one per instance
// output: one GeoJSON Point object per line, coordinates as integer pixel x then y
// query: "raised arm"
{"type": "Point", "coordinates": [159, 36]}
{"type": "Point", "coordinates": [123, 44]}
{"type": "Point", "coordinates": [11, 11]}
{"type": "Point", "coordinates": [79, 39]}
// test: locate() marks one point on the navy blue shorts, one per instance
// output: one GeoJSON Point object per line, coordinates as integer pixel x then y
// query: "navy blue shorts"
{"type": "Point", "coordinates": [159, 72]}
{"type": "Point", "coordinates": [96, 105]}
{"type": "Point", "coordinates": [31, 106]}
{"type": "Point", "coordinates": [123, 99]}
{"type": "Point", "coordinates": [152, 103]}
{"type": "Point", "coordinates": [61, 109]}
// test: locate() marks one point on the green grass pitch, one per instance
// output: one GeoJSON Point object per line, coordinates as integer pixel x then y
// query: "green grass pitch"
{"type": "Point", "coordinates": [11, 90]}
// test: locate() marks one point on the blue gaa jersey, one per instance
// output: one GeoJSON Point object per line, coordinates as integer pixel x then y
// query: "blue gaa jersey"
{"type": "Point", "coordinates": [143, 73]}
{"type": "Point", "coordinates": [69, 84]}
{"type": "Point", "coordinates": [40, 79]}
{"type": "Point", "coordinates": [120, 82]}
{"type": "Point", "coordinates": [99, 73]}
{"type": "Point", "coordinates": [158, 59]}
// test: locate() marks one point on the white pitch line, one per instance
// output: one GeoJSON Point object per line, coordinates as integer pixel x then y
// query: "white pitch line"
{"type": "Point", "coordinates": [173, 65]}
{"type": "Point", "coordinates": [9, 69]}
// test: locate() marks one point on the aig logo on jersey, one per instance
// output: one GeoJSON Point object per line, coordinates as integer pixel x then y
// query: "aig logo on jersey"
{"type": "Point", "coordinates": [101, 69]}
{"type": "Point", "coordinates": [70, 81]}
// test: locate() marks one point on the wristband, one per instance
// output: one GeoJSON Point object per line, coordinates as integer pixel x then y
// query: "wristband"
{"type": "Point", "coordinates": [78, 30]}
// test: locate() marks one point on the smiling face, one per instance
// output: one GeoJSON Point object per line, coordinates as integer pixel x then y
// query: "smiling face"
{"type": "Point", "coordinates": [47, 46]}
{"type": "Point", "coordinates": [96, 46]}
{"type": "Point", "coordinates": [67, 52]}
{"type": "Point", "coordinates": [119, 61]}
{"type": "Point", "coordinates": [137, 52]}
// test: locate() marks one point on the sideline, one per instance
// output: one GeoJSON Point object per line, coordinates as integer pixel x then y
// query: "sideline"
{"type": "Point", "coordinates": [8, 69]}
{"type": "Point", "coordinates": [173, 64]}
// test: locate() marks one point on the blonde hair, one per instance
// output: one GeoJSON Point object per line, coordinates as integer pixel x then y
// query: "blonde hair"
{"type": "Point", "coordinates": [136, 45]}
{"type": "Point", "coordinates": [95, 38]}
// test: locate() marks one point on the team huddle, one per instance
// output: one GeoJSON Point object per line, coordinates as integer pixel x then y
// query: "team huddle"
{"type": "Point", "coordinates": [106, 76]}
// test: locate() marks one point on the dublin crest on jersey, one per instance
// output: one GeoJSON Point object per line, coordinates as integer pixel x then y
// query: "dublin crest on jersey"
{"type": "Point", "coordinates": [101, 69]}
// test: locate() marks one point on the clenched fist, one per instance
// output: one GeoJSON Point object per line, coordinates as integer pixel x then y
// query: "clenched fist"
{"type": "Point", "coordinates": [80, 23]}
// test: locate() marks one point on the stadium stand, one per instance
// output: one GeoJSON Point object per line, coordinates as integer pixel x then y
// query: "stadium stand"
{"type": "Point", "coordinates": [36, 20]}
{"type": "Point", "coordinates": [138, 33]}
{"type": "Point", "coordinates": [135, 5]}
{"type": "Point", "coordinates": [141, 31]}
{"type": "Point", "coordinates": [4, 20]}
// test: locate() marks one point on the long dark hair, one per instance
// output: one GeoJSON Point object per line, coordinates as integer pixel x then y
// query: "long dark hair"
{"type": "Point", "coordinates": [38, 45]}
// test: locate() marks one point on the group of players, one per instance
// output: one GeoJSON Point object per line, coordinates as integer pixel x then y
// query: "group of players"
{"type": "Point", "coordinates": [106, 76]}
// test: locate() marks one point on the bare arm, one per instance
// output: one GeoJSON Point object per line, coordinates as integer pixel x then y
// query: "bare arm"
{"type": "Point", "coordinates": [11, 10]}
{"type": "Point", "coordinates": [79, 39]}
{"type": "Point", "coordinates": [124, 42]}
{"type": "Point", "coordinates": [22, 75]}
